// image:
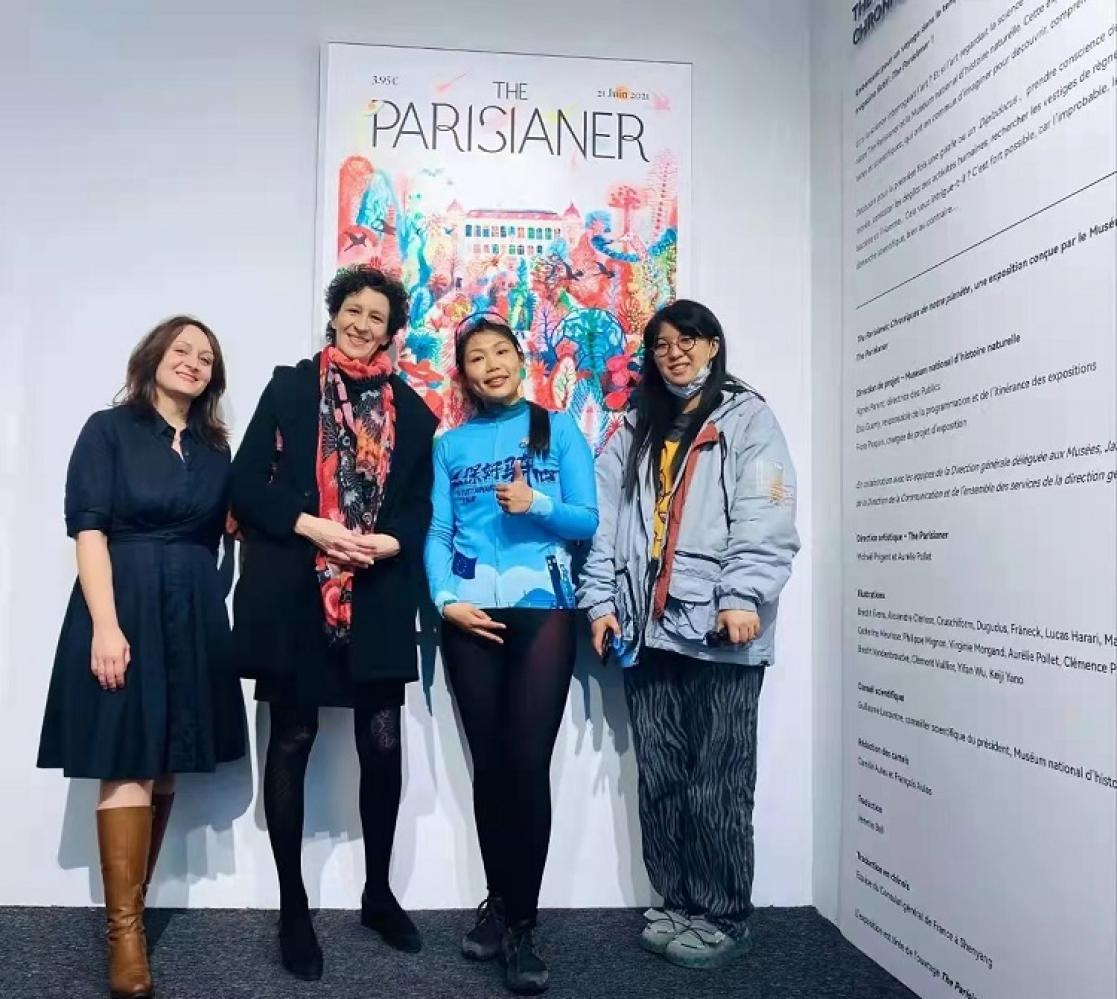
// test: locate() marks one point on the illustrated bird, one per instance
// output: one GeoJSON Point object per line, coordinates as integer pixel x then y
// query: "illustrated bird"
{"type": "Point", "coordinates": [553, 265]}
{"type": "Point", "coordinates": [357, 239]}
{"type": "Point", "coordinates": [441, 88]}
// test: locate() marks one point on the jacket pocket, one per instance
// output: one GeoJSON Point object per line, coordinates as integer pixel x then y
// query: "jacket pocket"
{"type": "Point", "coordinates": [691, 610]}
{"type": "Point", "coordinates": [626, 604]}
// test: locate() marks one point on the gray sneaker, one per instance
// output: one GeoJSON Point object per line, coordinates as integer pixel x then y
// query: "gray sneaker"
{"type": "Point", "coordinates": [703, 945]}
{"type": "Point", "coordinates": [663, 925]}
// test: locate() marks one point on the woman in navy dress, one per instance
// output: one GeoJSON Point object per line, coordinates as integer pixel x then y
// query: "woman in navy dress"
{"type": "Point", "coordinates": [142, 687]}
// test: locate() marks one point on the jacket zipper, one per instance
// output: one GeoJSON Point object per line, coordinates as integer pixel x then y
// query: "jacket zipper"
{"type": "Point", "coordinates": [670, 503]}
{"type": "Point", "coordinates": [499, 539]}
{"type": "Point", "coordinates": [723, 444]}
{"type": "Point", "coordinates": [671, 497]}
{"type": "Point", "coordinates": [628, 585]}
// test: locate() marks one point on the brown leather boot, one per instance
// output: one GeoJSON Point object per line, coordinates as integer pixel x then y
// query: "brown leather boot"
{"type": "Point", "coordinates": [124, 836]}
{"type": "Point", "coordinates": [160, 816]}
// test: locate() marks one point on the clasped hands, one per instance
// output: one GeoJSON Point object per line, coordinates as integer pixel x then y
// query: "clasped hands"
{"type": "Point", "coordinates": [345, 548]}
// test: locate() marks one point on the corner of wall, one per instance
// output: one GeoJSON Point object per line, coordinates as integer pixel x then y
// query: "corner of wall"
{"type": "Point", "coordinates": [826, 38]}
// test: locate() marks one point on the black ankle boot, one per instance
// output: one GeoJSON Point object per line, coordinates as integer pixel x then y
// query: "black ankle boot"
{"type": "Point", "coordinates": [525, 973]}
{"type": "Point", "coordinates": [482, 943]}
{"type": "Point", "coordinates": [298, 946]}
{"type": "Point", "coordinates": [385, 916]}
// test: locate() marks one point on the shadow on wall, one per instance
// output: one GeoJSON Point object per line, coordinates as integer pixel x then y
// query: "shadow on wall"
{"type": "Point", "coordinates": [600, 717]}
{"type": "Point", "coordinates": [200, 844]}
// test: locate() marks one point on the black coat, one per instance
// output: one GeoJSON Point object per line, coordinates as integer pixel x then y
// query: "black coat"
{"type": "Point", "coordinates": [278, 621]}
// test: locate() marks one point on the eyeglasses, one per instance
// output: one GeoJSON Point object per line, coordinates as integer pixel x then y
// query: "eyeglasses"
{"type": "Point", "coordinates": [685, 343]}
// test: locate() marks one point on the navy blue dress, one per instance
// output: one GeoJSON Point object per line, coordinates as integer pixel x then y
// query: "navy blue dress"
{"type": "Point", "coordinates": [181, 708]}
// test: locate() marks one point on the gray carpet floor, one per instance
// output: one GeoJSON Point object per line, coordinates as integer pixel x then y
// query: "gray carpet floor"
{"type": "Point", "coordinates": [232, 954]}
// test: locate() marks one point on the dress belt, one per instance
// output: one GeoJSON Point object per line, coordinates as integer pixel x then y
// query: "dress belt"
{"type": "Point", "coordinates": [158, 538]}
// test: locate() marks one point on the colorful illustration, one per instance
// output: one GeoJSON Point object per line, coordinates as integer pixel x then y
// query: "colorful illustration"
{"type": "Point", "coordinates": [574, 239]}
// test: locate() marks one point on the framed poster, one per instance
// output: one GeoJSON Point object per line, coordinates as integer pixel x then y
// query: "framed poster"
{"type": "Point", "coordinates": [551, 191]}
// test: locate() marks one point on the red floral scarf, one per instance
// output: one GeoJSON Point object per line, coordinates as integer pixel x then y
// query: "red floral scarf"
{"type": "Point", "coordinates": [356, 436]}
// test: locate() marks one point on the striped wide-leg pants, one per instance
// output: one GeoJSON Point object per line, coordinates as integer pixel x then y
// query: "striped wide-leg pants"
{"type": "Point", "coordinates": [694, 726]}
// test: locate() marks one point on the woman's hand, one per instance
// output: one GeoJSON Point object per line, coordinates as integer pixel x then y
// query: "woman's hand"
{"type": "Point", "coordinates": [599, 628]}
{"type": "Point", "coordinates": [109, 657]}
{"type": "Point", "coordinates": [515, 496]}
{"type": "Point", "coordinates": [474, 620]}
{"type": "Point", "coordinates": [740, 625]}
{"type": "Point", "coordinates": [376, 547]}
{"type": "Point", "coordinates": [379, 546]}
{"type": "Point", "coordinates": [340, 544]}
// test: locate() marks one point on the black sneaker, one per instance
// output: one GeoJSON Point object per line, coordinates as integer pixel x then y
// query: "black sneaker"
{"type": "Point", "coordinates": [386, 917]}
{"type": "Point", "coordinates": [482, 943]}
{"type": "Point", "coordinates": [298, 946]}
{"type": "Point", "coordinates": [525, 973]}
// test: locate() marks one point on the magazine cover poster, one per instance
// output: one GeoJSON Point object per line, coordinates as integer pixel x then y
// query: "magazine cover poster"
{"type": "Point", "coordinates": [550, 191]}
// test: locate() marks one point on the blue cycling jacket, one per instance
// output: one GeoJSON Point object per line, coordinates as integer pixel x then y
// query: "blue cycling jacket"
{"type": "Point", "coordinates": [477, 553]}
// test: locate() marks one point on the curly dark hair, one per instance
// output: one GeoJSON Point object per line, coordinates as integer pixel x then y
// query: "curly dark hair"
{"type": "Point", "coordinates": [352, 281]}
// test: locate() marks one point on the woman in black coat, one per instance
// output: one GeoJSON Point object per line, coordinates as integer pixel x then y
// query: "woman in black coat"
{"type": "Point", "coordinates": [331, 491]}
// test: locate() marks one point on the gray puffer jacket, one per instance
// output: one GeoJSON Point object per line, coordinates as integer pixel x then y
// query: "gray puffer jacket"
{"type": "Point", "coordinates": [730, 536]}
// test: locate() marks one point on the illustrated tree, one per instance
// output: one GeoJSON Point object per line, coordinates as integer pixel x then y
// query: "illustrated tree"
{"type": "Point", "coordinates": [352, 182]}
{"type": "Point", "coordinates": [521, 299]}
{"type": "Point", "coordinates": [661, 193]}
{"type": "Point", "coordinates": [626, 199]}
{"type": "Point", "coordinates": [598, 336]}
{"type": "Point", "coordinates": [545, 331]}
{"type": "Point", "coordinates": [454, 262]}
{"type": "Point", "coordinates": [636, 309]}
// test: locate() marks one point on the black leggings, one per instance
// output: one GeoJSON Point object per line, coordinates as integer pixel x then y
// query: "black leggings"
{"type": "Point", "coordinates": [511, 699]}
{"type": "Point", "coordinates": [293, 730]}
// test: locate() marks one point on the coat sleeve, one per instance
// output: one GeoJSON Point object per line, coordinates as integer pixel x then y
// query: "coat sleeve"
{"type": "Point", "coordinates": [439, 552]}
{"type": "Point", "coordinates": [597, 582]}
{"type": "Point", "coordinates": [256, 500]}
{"type": "Point", "coordinates": [574, 517]}
{"type": "Point", "coordinates": [762, 535]}
{"type": "Point", "coordinates": [412, 520]}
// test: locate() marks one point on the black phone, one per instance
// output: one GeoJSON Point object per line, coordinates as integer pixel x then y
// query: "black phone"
{"type": "Point", "coordinates": [716, 638]}
{"type": "Point", "coordinates": [607, 645]}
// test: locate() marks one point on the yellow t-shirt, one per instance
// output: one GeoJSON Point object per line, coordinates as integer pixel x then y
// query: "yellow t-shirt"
{"type": "Point", "coordinates": [659, 525]}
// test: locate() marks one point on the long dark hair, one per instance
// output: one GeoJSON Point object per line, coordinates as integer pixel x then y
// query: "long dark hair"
{"type": "Point", "coordinates": [139, 384]}
{"type": "Point", "coordinates": [656, 407]}
{"type": "Point", "coordinates": [539, 419]}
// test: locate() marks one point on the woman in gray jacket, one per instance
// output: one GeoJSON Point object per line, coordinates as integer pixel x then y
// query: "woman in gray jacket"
{"type": "Point", "coordinates": [696, 494]}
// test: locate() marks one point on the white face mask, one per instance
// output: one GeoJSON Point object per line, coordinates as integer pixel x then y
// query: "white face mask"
{"type": "Point", "coordinates": [692, 388]}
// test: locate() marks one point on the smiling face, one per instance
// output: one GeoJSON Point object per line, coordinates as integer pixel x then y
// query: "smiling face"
{"type": "Point", "coordinates": [361, 324]}
{"type": "Point", "coordinates": [187, 367]}
{"type": "Point", "coordinates": [491, 368]}
{"type": "Point", "coordinates": [681, 356]}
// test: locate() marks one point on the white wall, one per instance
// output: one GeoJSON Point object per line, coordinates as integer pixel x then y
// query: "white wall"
{"type": "Point", "coordinates": [161, 157]}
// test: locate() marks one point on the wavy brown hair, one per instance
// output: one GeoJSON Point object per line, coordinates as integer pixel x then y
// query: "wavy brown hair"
{"type": "Point", "coordinates": [139, 386]}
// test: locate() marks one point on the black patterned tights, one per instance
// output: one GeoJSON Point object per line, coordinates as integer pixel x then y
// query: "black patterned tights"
{"type": "Point", "coordinates": [293, 730]}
